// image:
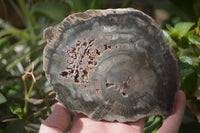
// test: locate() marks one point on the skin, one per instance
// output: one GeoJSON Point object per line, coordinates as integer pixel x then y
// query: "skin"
{"type": "Point", "coordinates": [59, 120]}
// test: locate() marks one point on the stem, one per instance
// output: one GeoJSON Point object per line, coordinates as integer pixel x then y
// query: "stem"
{"type": "Point", "coordinates": [25, 110]}
{"type": "Point", "coordinates": [30, 90]}
{"type": "Point", "coordinates": [45, 98]}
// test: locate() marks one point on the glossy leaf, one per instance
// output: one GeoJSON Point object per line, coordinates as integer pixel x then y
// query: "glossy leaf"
{"type": "Point", "coordinates": [180, 29]}
{"type": "Point", "coordinates": [168, 38]}
{"type": "Point", "coordinates": [187, 52]}
{"type": "Point", "coordinates": [187, 65]}
{"type": "Point", "coordinates": [195, 40]}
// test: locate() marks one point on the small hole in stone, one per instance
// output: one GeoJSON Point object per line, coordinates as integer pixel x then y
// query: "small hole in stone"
{"type": "Point", "coordinates": [76, 78]}
{"type": "Point", "coordinates": [89, 62]}
{"type": "Point", "coordinates": [84, 44]}
{"type": "Point", "coordinates": [90, 57]}
{"type": "Point", "coordinates": [84, 76]}
{"type": "Point", "coordinates": [105, 46]}
{"type": "Point", "coordinates": [73, 50]}
{"type": "Point", "coordinates": [77, 71]}
{"type": "Point", "coordinates": [109, 47]}
{"type": "Point", "coordinates": [124, 94]}
{"type": "Point", "coordinates": [64, 73]}
{"type": "Point", "coordinates": [77, 44]}
{"type": "Point", "coordinates": [97, 52]}
{"type": "Point", "coordinates": [72, 71]}
{"type": "Point", "coordinates": [109, 85]}
{"type": "Point", "coordinates": [85, 72]}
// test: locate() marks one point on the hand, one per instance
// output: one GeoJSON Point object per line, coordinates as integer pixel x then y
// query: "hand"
{"type": "Point", "coordinates": [59, 120]}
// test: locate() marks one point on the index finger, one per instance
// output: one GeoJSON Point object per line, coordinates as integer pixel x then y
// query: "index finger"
{"type": "Point", "coordinates": [172, 122]}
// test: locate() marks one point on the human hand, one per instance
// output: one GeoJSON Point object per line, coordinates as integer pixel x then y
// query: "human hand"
{"type": "Point", "coordinates": [59, 120]}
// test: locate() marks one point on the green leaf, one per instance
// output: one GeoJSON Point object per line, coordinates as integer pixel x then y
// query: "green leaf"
{"type": "Point", "coordinates": [12, 31]}
{"type": "Point", "coordinates": [16, 127]}
{"type": "Point", "coordinates": [186, 65]}
{"type": "Point", "coordinates": [17, 110]}
{"type": "Point", "coordinates": [189, 84]}
{"type": "Point", "coordinates": [195, 40]}
{"type": "Point", "coordinates": [186, 60]}
{"type": "Point", "coordinates": [183, 28]}
{"type": "Point", "coordinates": [187, 52]}
{"type": "Point", "coordinates": [190, 54]}
{"type": "Point", "coordinates": [180, 29]}
{"type": "Point", "coordinates": [169, 27]}
{"type": "Point", "coordinates": [2, 98]}
{"type": "Point", "coordinates": [54, 10]}
{"type": "Point", "coordinates": [153, 124]}
{"type": "Point", "coordinates": [169, 39]}
{"type": "Point", "coordinates": [20, 34]}
{"type": "Point", "coordinates": [3, 41]}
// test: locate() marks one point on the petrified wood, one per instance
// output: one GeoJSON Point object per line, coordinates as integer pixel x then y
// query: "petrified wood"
{"type": "Point", "coordinates": [112, 64]}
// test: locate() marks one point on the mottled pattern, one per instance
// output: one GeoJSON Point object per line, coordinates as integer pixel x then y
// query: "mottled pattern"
{"type": "Point", "coordinates": [111, 65]}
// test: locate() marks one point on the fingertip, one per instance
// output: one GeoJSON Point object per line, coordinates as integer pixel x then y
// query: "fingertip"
{"type": "Point", "coordinates": [180, 101]}
{"type": "Point", "coordinates": [57, 121]}
{"type": "Point", "coordinates": [181, 93]}
{"type": "Point", "coordinates": [173, 121]}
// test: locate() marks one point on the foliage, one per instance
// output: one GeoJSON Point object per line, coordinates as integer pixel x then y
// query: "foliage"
{"type": "Point", "coordinates": [185, 38]}
{"type": "Point", "coordinates": [26, 98]}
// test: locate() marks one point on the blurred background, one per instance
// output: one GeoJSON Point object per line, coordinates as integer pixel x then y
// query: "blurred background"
{"type": "Point", "coordinates": [26, 98]}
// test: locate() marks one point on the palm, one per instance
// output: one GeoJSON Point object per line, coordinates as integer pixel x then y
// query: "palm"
{"type": "Point", "coordinates": [84, 124]}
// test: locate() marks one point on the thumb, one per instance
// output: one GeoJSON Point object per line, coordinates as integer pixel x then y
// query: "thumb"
{"type": "Point", "coordinates": [57, 122]}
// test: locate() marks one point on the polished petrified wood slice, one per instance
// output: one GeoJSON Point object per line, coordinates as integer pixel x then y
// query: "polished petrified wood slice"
{"type": "Point", "coordinates": [111, 65]}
